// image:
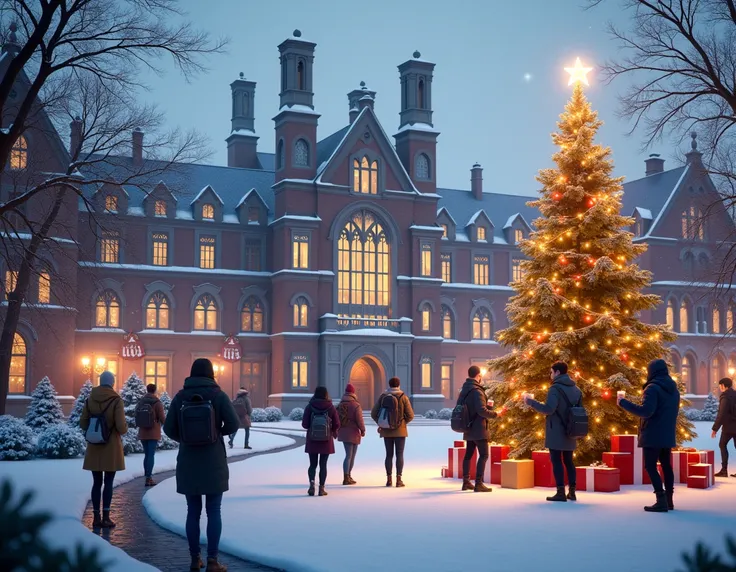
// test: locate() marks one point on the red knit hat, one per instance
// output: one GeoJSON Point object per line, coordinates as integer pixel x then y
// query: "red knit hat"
{"type": "Point", "coordinates": [350, 388]}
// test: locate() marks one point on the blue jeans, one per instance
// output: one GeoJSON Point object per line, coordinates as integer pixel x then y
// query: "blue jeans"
{"type": "Point", "coordinates": [149, 452]}
{"type": "Point", "coordinates": [347, 464]}
{"type": "Point", "coordinates": [214, 523]}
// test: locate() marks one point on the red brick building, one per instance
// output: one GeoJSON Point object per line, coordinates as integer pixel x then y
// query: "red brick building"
{"type": "Point", "coordinates": [336, 259]}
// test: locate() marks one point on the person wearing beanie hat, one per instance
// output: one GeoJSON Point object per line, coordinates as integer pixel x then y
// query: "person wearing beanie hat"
{"type": "Point", "coordinates": [657, 435]}
{"type": "Point", "coordinates": [104, 459]}
{"type": "Point", "coordinates": [352, 428]}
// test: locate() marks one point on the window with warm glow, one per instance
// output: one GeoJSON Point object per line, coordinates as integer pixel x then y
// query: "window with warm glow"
{"type": "Point", "coordinates": [716, 320]}
{"type": "Point", "coordinates": [208, 211]}
{"type": "Point", "coordinates": [205, 313]}
{"type": "Point", "coordinates": [516, 272]}
{"type": "Point", "coordinates": [481, 270]}
{"type": "Point", "coordinates": [692, 224]}
{"type": "Point", "coordinates": [518, 235]}
{"type": "Point", "coordinates": [18, 366]}
{"type": "Point", "coordinates": [157, 372]}
{"type": "Point", "coordinates": [159, 208]}
{"type": "Point", "coordinates": [363, 268]}
{"type": "Point", "coordinates": [684, 317]}
{"type": "Point", "coordinates": [251, 316]}
{"type": "Point", "coordinates": [110, 248]}
{"type": "Point", "coordinates": [251, 375]}
{"type": "Point", "coordinates": [446, 379]}
{"type": "Point", "coordinates": [481, 233]}
{"type": "Point", "coordinates": [482, 326]}
{"type": "Point", "coordinates": [688, 374]}
{"type": "Point", "coordinates": [300, 251]}
{"type": "Point", "coordinates": [111, 365]}
{"type": "Point", "coordinates": [448, 329]}
{"type": "Point", "coordinates": [426, 375]}
{"type": "Point", "coordinates": [426, 262]}
{"type": "Point", "coordinates": [301, 153]}
{"type": "Point", "coordinates": [300, 313]}
{"type": "Point", "coordinates": [207, 251]}
{"type": "Point", "coordinates": [107, 310]}
{"type": "Point", "coordinates": [11, 281]}
{"type": "Point", "coordinates": [671, 314]}
{"type": "Point", "coordinates": [299, 372]}
{"type": "Point", "coordinates": [425, 318]}
{"type": "Point", "coordinates": [157, 312]}
{"type": "Point", "coordinates": [446, 260]}
{"type": "Point", "coordinates": [717, 370]}
{"type": "Point", "coordinates": [729, 321]}
{"type": "Point", "coordinates": [44, 288]}
{"type": "Point", "coordinates": [253, 255]}
{"type": "Point", "coordinates": [160, 249]}
{"type": "Point", "coordinates": [111, 204]}
{"type": "Point", "coordinates": [422, 167]}
{"type": "Point", "coordinates": [365, 176]}
{"type": "Point", "coordinates": [19, 154]}
{"type": "Point", "coordinates": [444, 230]}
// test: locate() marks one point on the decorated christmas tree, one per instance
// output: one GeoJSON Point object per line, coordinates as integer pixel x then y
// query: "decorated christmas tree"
{"type": "Point", "coordinates": [133, 390]}
{"type": "Point", "coordinates": [44, 409]}
{"type": "Point", "coordinates": [79, 403]}
{"type": "Point", "coordinates": [580, 297]}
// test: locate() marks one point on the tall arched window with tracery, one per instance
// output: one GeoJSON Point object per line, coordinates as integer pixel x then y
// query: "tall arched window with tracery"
{"type": "Point", "coordinates": [18, 365]}
{"type": "Point", "coordinates": [205, 313]}
{"type": "Point", "coordinates": [365, 176]}
{"type": "Point", "coordinates": [107, 310]}
{"type": "Point", "coordinates": [157, 312]}
{"type": "Point", "coordinates": [448, 326]}
{"type": "Point", "coordinates": [671, 315]}
{"type": "Point", "coordinates": [482, 325]}
{"type": "Point", "coordinates": [363, 268]}
{"type": "Point", "coordinates": [251, 316]}
{"type": "Point", "coordinates": [684, 316]}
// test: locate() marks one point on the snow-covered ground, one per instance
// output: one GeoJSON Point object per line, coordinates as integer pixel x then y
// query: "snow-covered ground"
{"type": "Point", "coordinates": [63, 488]}
{"type": "Point", "coordinates": [430, 525]}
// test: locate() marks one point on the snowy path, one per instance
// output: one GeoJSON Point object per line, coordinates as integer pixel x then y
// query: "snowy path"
{"type": "Point", "coordinates": [430, 524]}
{"type": "Point", "coordinates": [63, 488]}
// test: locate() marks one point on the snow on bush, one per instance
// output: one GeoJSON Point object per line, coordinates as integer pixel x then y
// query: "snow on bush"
{"type": "Point", "coordinates": [131, 443]}
{"type": "Point", "coordinates": [60, 441]}
{"type": "Point", "coordinates": [44, 409]}
{"type": "Point", "coordinates": [165, 400]}
{"type": "Point", "coordinates": [16, 439]}
{"type": "Point", "coordinates": [692, 413]}
{"type": "Point", "coordinates": [274, 414]}
{"type": "Point", "coordinates": [445, 413]}
{"type": "Point", "coordinates": [430, 414]}
{"type": "Point", "coordinates": [166, 443]}
{"type": "Point", "coordinates": [710, 408]}
{"type": "Point", "coordinates": [79, 402]}
{"type": "Point", "coordinates": [296, 414]}
{"type": "Point", "coordinates": [259, 415]}
{"type": "Point", "coordinates": [133, 390]}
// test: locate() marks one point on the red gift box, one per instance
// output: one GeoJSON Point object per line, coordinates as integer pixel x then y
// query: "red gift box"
{"type": "Point", "coordinates": [700, 470]}
{"type": "Point", "coordinates": [633, 473]}
{"type": "Point", "coordinates": [707, 457]}
{"type": "Point", "coordinates": [624, 462]}
{"type": "Point", "coordinates": [455, 456]}
{"type": "Point", "coordinates": [697, 482]}
{"type": "Point", "coordinates": [598, 479]}
{"type": "Point", "coordinates": [443, 472]}
{"type": "Point", "coordinates": [499, 453]}
{"type": "Point", "coordinates": [543, 474]}
{"type": "Point", "coordinates": [495, 469]}
{"type": "Point", "coordinates": [459, 444]}
{"type": "Point", "coordinates": [680, 461]}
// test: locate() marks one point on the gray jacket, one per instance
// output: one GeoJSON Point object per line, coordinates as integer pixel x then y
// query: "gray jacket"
{"type": "Point", "coordinates": [556, 410]}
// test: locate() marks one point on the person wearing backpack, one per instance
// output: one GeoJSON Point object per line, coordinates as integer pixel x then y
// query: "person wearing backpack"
{"type": "Point", "coordinates": [477, 433]}
{"type": "Point", "coordinates": [149, 416]}
{"type": "Point", "coordinates": [244, 409]}
{"type": "Point", "coordinates": [199, 417]}
{"type": "Point", "coordinates": [352, 428]}
{"type": "Point", "coordinates": [322, 423]}
{"type": "Point", "coordinates": [561, 397]}
{"type": "Point", "coordinates": [726, 422]}
{"type": "Point", "coordinates": [392, 413]}
{"type": "Point", "coordinates": [658, 411]}
{"type": "Point", "coordinates": [103, 420]}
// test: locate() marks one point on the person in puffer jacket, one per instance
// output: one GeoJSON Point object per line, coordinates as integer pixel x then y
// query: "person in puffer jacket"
{"type": "Point", "coordinates": [352, 428]}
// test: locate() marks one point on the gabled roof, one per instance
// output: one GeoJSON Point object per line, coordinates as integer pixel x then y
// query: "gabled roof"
{"type": "Point", "coordinates": [203, 191]}
{"type": "Point", "coordinates": [652, 193]}
{"type": "Point", "coordinates": [327, 146]}
{"type": "Point", "coordinates": [643, 213]}
{"type": "Point", "coordinates": [158, 186]}
{"type": "Point", "coordinates": [477, 215]}
{"type": "Point", "coordinates": [512, 219]}
{"type": "Point", "coordinates": [247, 195]}
{"type": "Point", "coordinates": [443, 210]}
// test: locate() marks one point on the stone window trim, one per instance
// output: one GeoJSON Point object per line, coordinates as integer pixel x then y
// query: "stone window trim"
{"type": "Point", "coordinates": [110, 233]}
{"type": "Point", "coordinates": [687, 304]}
{"type": "Point", "coordinates": [199, 233]}
{"type": "Point", "coordinates": [167, 290]}
{"type": "Point", "coordinates": [485, 253]}
{"type": "Point", "coordinates": [482, 304]}
{"type": "Point", "coordinates": [116, 288]}
{"type": "Point", "coordinates": [426, 246]}
{"type": "Point", "coordinates": [447, 309]}
{"type": "Point", "coordinates": [426, 302]}
{"type": "Point", "coordinates": [671, 302]}
{"type": "Point", "coordinates": [447, 257]}
{"type": "Point", "coordinates": [297, 357]}
{"type": "Point", "coordinates": [381, 176]}
{"type": "Point", "coordinates": [430, 165]}
{"type": "Point", "coordinates": [300, 232]}
{"type": "Point", "coordinates": [212, 290]}
{"type": "Point", "coordinates": [261, 295]}
{"type": "Point", "coordinates": [298, 297]}
{"type": "Point", "coordinates": [426, 305]}
{"type": "Point", "coordinates": [169, 231]}
{"type": "Point", "coordinates": [426, 360]}
{"type": "Point", "coordinates": [294, 159]}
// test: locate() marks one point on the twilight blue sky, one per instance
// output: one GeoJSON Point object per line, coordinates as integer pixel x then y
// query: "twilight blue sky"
{"type": "Point", "coordinates": [484, 107]}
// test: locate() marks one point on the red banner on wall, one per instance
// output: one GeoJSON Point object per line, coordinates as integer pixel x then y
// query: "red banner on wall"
{"type": "Point", "coordinates": [132, 347]}
{"type": "Point", "coordinates": [231, 350]}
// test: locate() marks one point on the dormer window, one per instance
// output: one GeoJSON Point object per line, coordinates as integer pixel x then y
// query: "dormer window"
{"type": "Point", "coordinates": [159, 208]}
{"type": "Point", "coordinates": [365, 176]}
{"type": "Point", "coordinates": [518, 235]}
{"type": "Point", "coordinates": [111, 204]}
{"type": "Point", "coordinates": [444, 231]}
{"type": "Point", "coordinates": [481, 233]}
{"type": "Point", "coordinates": [208, 212]}
{"type": "Point", "coordinates": [253, 214]}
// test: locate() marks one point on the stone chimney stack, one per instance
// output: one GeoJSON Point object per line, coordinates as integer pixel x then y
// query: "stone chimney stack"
{"type": "Point", "coordinates": [75, 138]}
{"type": "Point", "coordinates": [356, 96]}
{"type": "Point", "coordinates": [242, 144]}
{"type": "Point", "coordinates": [476, 181]}
{"type": "Point", "coordinates": [137, 147]}
{"type": "Point", "coordinates": [654, 164]}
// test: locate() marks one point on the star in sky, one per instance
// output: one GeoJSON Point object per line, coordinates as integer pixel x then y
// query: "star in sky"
{"type": "Point", "coordinates": [527, 77]}
{"type": "Point", "coordinates": [578, 73]}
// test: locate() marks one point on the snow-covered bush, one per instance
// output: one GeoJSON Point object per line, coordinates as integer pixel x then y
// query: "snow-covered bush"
{"type": "Point", "coordinates": [79, 403]}
{"type": "Point", "coordinates": [131, 443]}
{"type": "Point", "coordinates": [259, 415]}
{"type": "Point", "coordinates": [430, 414]}
{"type": "Point", "coordinates": [710, 408]}
{"type": "Point", "coordinates": [445, 413]}
{"type": "Point", "coordinates": [44, 409]}
{"type": "Point", "coordinates": [296, 414]}
{"type": "Point", "coordinates": [692, 414]}
{"type": "Point", "coordinates": [133, 391]}
{"type": "Point", "coordinates": [16, 439]}
{"type": "Point", "coordinates": [274, 414]}
{"type": "Point", "coordinates": [60, 441]}
{"type": "Point", "coordinates": [166, 443]}
{"type": "Point", "coordinates": [165, 400]}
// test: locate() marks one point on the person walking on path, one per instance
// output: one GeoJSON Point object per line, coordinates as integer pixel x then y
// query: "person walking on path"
{"type": "Point", "coordinates": [149, 417]}
{"type": "Point", "coordinates": [322, 424]}
{"type": "Point", "coordinates": [104, 459]}
{"type": "Point", "coordinates": [198, 410]}
{"type": "Point", "coordinates": [658, 411]}
{"type": "Point", "coordinates": [725, 422]}
{"type": "Point", "coordinates": [478, 434]}
{"type": "Point", "coordinates": [562, 395]}
{"type": "Point", "coordinates": [244, 409]}
{"type": "Point", "coordinates": [352, 428]}
{"type": "Point", "coordinates": [393, 412]}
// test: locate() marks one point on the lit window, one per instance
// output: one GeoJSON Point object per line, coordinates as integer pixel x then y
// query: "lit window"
{"type": "Point", "coordinates": [250, 375]}
{"type": "Point", "coordinates": [205, 313]}
{"type": "Point", "coordinates": [208, 212]}
{"type": "Point", "coordinates": [447, 323]}
{"type": "Point", "coordinates": [206, 251]}
{"type": "Point", "coordinates": [717, 370]}
{"type": "Point", "coordinates": [426, 375]}
{"type": "Point", "coordinates": [444, 230]}
{"type": "Point", "coordinates": [300, 313]}
{"type": "Point", "coordinates": [684, 317]}
{"type": "Point", "coordinates": [425, 318]}
{"type": "Point", "coordinates": [446, 379]}
{"type": "Point", "coordinates": [157, 312]}
{"type": "Point", "coordinates": [157, 372]}
{"type": "Point", "coordinates": [426, 265]}
{"type": "Point", "coordinates": [481, 233]}
{"type": "Point", "coordinates": [107, 310]}
{"type": "Point", "coordinates": [299, 371]}
{"type": "Point", "coordinates": [518, 235]}
{"type": "Point", "coordinates": [446, 267]}
{"type": "Point", "coordinates": [729, 321]}
{"type": "Point", "coordinates": [253, 214]}
{"type": "Point", "coordinates": [44, 288]}
{"type": "Point", "coordinates": [692, 224]}
{"type": "Point", "coordinates": [253, 255]}
{"type": "Point", "coordinates": [716, 320]}
{"type": "Point", "coordinates": [300, 247]}
{"type": "Point", "coordinates": [365, 176]}
{"type": "Point", "coordinates": [480, 270]}
{"type": "Point", "coordinates": [18, 365]}
{"type": "Point", "coordinates": [301, 153]}
{"type": "Point", "coordinates": [516, 271]}
{"type": "Point", "coordinates": [19, 154]}
{"type": "Point", "coordinates": [688, 374]}
{"type": "Point", "coordinates": [251, 316]}
{"type": "Point", "coordinates": [422, 167]}
{"type": "Point", "coordinates": [110, 247]}
{"type": "Point", "coordinates": [159, 208]}
{"type": "Point", "coordinates": [11, 281]}
{"type": "Point", "coordinates": [671, 314]}
{"type": "Point", "coordinates": [160, 249]}
{"type": "Point", "coordinates": [482, 325]}
{"type": "Point", "coordinates": [111, 204]}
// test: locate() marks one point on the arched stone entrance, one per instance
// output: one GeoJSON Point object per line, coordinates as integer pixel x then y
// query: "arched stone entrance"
{"type": "Point", "coordinates": [368, 377]}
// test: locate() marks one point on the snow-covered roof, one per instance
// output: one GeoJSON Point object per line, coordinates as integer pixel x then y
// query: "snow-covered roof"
{"type": "Point", "coordinates": [299, 108]}
{"type": "Point", "coordinates": [200, 193]}
{"type": "Point", "coordinates": [247, 132]}
{"type": "Point", "coordinates": [477, 214]}
{"type": "Point", "coordinates": [644, 213]}
{"type": "Point", "coordinates": [426, 127]}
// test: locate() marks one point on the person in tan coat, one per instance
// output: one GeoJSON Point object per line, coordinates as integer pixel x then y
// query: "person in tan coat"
{"type": "Point", "coordinates": [394, 437]}
{"type": "Point", "coordinates": [105, 459]}
{"type": "Point", "coordinates": [150, 416]}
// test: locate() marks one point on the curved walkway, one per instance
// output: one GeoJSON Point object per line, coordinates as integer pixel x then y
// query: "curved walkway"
{"type": "Point", "coordinates": [144, 540]}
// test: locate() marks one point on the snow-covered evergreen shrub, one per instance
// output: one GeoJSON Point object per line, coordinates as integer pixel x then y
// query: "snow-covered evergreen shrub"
{"type": "Point", "coordinates": [133, 390]}
{"type": "Point", "coordinates": [44, 409]}
{"type": "Point", "coordinates": [445, 413]}
{"type": "Point", "coordinates": [166, 443]}
{"type": "Point", "coordinates": [430, 414]}
{"type": "Point", "coordinates": [692, 413]}
{"type": "Point", "coordinates": [79, 402]}
{"type": "Point", "coordinates": [131, 443]}
{"type": "Point", "coordinates": [259, 415]}
{"type": "Point", "coordinates": [710, 408]}
{"type": "Point", "coordinates": [60, 441]}
{"type": "Point", "coordinates": [16, 439]}
{"type": "Point", "coordinates": [296, 414]}
{"type": "Point", "coordinates": [165, 400]}
{"type": "Point", "coordinates": [274, 414]}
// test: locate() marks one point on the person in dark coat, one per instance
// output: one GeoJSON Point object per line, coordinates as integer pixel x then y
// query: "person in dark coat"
{"type": "Point", "coordinates": [478, 434]}
{"type": "Point", "coordinates": [561, 447]}
{"type": "Point", "coordinates": [352, 428]}
{"type": "Point", "coordinates": [201, 470]}
{"type": "Point", "coordinates": [150, 436]}
{"type": "Point", "coordinates": [244, 409]}
{"type": "Point", "coordinates": [319, 451]}
{"type": "Point", "coordinates": [657, 434]}
{"type": "Point", "coordinates": [395, 439]}
{"type": "Point", "coordinates": [726, 422]}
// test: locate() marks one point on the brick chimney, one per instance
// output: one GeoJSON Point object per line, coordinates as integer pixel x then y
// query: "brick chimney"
{"type": "Point", "coordinates": [75, 137]}
{"type": "Point", "coordinates": [137, 147]}
{"type": "Point", "coordinates": [476, 181]}
{"type": "Point", "coordinates": [654, 164]}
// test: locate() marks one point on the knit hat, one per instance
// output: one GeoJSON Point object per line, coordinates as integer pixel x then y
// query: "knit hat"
{"type": "Point", "coordinates": [350, 388]}
{"type": "Point", "coordinates": [202, 368]}
{"type": "Point", "coordinates": [107, 378]}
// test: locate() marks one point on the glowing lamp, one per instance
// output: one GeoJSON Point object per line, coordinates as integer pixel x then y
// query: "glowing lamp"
{"type": "Point", "coordinates": [85, 361]}
{"type": "Point", "coordinates": [100, 361]}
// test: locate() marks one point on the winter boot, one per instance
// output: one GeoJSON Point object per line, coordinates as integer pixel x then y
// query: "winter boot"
{"type": "Point", "coordinates": [150, 482]}
{"type": "Point", "coordinates": [467, 485]}
{"type": "Point", "coordinates": [106, 522]}
{"type": "Point", "coordinates": [389, 483]}
{"type": "Point", "coordinates": [214, 566]}
{"type": "Point", "coordinates": [721, 473]}
{"type": "Point", "coordinates": [571, 495]}
{"type": "Point", "coordinates": [352, 481]}
{"type": "Point", "coordinates": [559, 497]}
{"type": "Point", "coordinates": [480, 487]}
{"type": "Point", "coordinates": [248, 447]}
{"type": "Point", "coordinates": [660, 505]}
{"type": "Point", "coordinates": [197, 563]}
{"type": "Point", "coordinates": [322, 491]}
{"type": "Point", "coordinates": [399, 482]}
{"type": "Point", "coordinates": [346, 479]}
{"type": "Point", "coordinates": [310, 491]}
{"type": "Point", "coordinates": [231, 444]}
{"type": "Point", "coordinates": [97, 520]}
{"type": "Point", "coordinates": [670, 500]}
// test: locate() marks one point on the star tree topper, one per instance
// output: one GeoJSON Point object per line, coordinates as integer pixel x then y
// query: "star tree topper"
{"type": "Point", "coordinates": [578, 73]}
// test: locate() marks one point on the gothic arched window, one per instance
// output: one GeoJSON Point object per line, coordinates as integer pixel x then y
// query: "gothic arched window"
{"type": "Point", "coordinates": [482, 325]}
{"type": "Point", "coordinates": [365, 176]}
{"type": "Point", "coordinates": [716, 320]}
{"type": "Point", "coordinates": [19, 154]}
{"type": "Point", "coordinates": [448, 326]}
{"type": "Point", "coordinates": [301, 153]}
{"type": "Point", "coordinates": [422, 167]}
{"type": "Point", "coordinates": [671, 314]}
{"type": "Point", "coordinates": [107, 310]}
{"type": "Point", "coordinates": [301, 312]}
{"type": "Point", "coordinates": [157, 312]}
{"type": "Point", "coordinates": [205, 313]}
{"type": "Point", "coordinates": [688, 374]}
{"type": "Point", "coordinates": [684, 317]}
{"type": "Point", "coordinates": [251, 316]}
{"type": "Point", "coordinates": [18, 365]}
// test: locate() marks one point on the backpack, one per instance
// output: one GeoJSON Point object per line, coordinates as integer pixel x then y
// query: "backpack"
{"type": "Point", "coordinates": [388, 415]}
{"type": "Point", "coordinates": [145, 416]}
{"type": "Point", "coordinates": [576, 425]}
{"type": "Point", "coordinates": [320, 426]}
{"type": "Point", "coordinates": [98, 433]}
{"type": "Point", "coordinates": [343, 412]}
{"type": "Point", "coordinates": [460, 419]}
{"type": "Point", "coordinates": [198, 422]}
